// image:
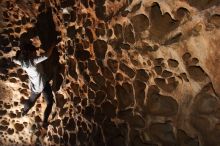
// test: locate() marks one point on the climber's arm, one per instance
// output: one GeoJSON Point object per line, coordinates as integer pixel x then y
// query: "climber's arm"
{"type": "Point", "coordinates": [46, 55]}
{"type": "Point", "coordinates": [50, 50]}
{"type": "Point", "coordinates": [16, 61]}
{"type": "Point", "coordinates": [15, 58]}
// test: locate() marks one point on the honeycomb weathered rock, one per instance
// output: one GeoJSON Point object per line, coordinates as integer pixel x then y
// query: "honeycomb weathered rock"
{"type": "Point", "coordinates": [125, 72]}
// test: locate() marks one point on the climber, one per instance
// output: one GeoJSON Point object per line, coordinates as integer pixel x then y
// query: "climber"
{"type": "Point", "coordinates": [26, 57]}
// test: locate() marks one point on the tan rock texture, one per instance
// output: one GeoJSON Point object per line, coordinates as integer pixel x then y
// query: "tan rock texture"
{"type": "Point", "coordinates": [125, 73]}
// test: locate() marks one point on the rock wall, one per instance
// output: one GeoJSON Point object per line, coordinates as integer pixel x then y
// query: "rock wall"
{"type": "Point", "coordinates": [124, 73]}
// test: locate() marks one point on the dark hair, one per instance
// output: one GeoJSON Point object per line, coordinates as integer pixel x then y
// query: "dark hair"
{"type": "Point", "coordinates": [27, 52]}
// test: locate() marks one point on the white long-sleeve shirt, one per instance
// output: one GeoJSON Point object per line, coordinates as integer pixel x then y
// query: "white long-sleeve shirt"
{"type": "Point", "coordinates": [35, 73]}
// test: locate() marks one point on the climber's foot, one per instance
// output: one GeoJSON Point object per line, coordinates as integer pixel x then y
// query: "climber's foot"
{"type": "Point", "coordinates": [24, 112]}
{"type": "Point", "coordinates": [27, 107]}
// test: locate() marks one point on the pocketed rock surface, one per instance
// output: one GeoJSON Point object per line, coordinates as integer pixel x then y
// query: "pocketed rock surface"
{"type": "Point", "coordinates": [124, 73]}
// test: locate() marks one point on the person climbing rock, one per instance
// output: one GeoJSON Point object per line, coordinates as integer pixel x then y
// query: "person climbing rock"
{"type": "Point", "coordinates": [39, 83]}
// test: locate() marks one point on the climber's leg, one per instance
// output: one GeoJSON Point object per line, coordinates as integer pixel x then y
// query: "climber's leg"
{"type": "Point", "coordinates": [30, 102]}
{"type": "Point", "coordinates": [49, 99]}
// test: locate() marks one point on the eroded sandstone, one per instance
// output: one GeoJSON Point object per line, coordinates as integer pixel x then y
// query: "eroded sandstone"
{"type": "Point", "coordinates": [124, 73]}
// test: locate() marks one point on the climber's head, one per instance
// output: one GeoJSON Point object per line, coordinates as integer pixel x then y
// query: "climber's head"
{"type": "Point", "coordinates": [27, 53]}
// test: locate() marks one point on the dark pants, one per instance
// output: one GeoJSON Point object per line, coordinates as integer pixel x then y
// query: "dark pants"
{"type": "Point", "coordinates": [47, 92]}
